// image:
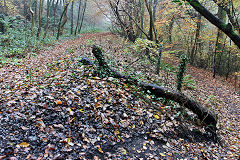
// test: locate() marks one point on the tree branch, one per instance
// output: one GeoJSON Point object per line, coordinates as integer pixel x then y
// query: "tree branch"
{"type": "Point", "coordinates": [226, 28]}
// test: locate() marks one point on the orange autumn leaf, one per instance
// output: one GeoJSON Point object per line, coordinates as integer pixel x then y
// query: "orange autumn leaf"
{"type": "Point", "coordinates": [58, 102]}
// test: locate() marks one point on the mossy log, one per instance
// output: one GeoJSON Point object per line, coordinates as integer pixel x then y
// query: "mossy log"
{"type": "Point", "coordinates": [204, 114]}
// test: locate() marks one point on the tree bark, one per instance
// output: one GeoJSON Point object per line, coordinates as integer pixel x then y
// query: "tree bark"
{"type": "Point", "coordinates": [196, 42]}
{"type": "Point", "coordinates": [48, 10]}
{"type": "Point", "coordinates": [208, 117]}
{"type": "Point", "coordinates": [142, 16]}
{"type": "Point", "coordinates": [230, 12]}
{"type": "Point", "coordinates": [35, 3]}
{"type": "Point", "coordinates": [62, 22]}
{"type": "Point", "coordinates": [40, 19]}
{"type": "Point", "coordinates": [33, 18]}
{"type": "Point", "coordinates": [151, 23]}
{"type": "Point", "coordinates": [219, 47]}
{"type": "Point", "coordinates": [83, 14]}
{"type": "Point", "coordinates": [54, 16]}
{"type": "Point", "coordinates": [78, 18]}
{"type": "Point", "coordinates": [72, 17]}
{"type": "Point", "coordinates": [170, 27]}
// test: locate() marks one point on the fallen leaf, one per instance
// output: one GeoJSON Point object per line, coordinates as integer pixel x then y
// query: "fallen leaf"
{"type": "Point", "coordinates": [58, 102]}
{"type": "Point", "coordinates": [156, 116]}
{"type": "Point", "coordinates": [161, 154]}
{"type": "Point", "coordinates": [24, 144]}
{"type": "Point", "coordinates": [99, 149]}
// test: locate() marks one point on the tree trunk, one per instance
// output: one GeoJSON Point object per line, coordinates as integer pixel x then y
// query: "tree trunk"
{"type": "Point", "coordinates": [35, 10]}
{"type": "Point", "coordinates": [152, 30]}
{"type": "Point", "coordinates": [78, 18]}
{"type": "Point", "coordinates": [40, 19]}
{"type": "Point", "coordinates": [62, 22]}
{"type": "Point", "coordinates": [196, 42]}
{"type": "Point", "coordinates": [142, 16]}
{"type": "Point", "coordinates": [170, 27]}
{"type": "Point", "coordinates": [54, 17]}
{"type": "Point", "coordinates": [52, 9]}
{"type": "Point", "coordinates": [149, 8]}
{"type": "Point", "coordinates": [228, 63]}
{"type": "Point", "coordinates": [72, 17]}
{"type": "Point", "coordinates": [159, 60]}
{"type": "Point", "coordinates": [48, 10]}
{"type": "Point", "coordinates": [82, 17]}
{"type": "Point", "coordinates": [33, 18]}
{"type": "Point", "coordinates": [155, 9]}
{"type": "Point", "coordinates": [26, 11]}
{"type": "Point", "coordinates": [219, 43]}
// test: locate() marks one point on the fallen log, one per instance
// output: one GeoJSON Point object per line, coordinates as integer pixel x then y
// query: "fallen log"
{"type": "Point", "coordinates": [204, 114]}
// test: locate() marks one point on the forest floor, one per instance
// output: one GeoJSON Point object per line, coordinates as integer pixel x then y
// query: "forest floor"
{"type": "Point", "coordinates": [53, 107]}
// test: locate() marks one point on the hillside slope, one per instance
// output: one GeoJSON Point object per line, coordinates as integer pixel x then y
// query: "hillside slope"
{"type": "Point", "coordinates": [53, 107]}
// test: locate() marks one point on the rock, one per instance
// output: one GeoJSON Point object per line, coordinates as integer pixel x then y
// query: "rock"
{"type": "Point", "coordinates": [86, 61]}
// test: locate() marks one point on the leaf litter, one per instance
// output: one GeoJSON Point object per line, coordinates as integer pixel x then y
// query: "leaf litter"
{"type": "Point", "coordinates": [53, 107]}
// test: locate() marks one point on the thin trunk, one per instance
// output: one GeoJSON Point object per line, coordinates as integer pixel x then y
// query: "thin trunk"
{"type": "Point", "coordinates": [35, 10]}
{"type": "Point", "coordinates": [142, 16]}
{"type": "Point", "coordinates": [72, 17]}
{"type": "Point", "coordinates": [215, 56]}
{"type": "Point", "coordinates": [155, 9]}
{"type": "Point", "coordinates": [228, 63]}
{"type": "Point", "coordinates": [25, 11]}
{"type": "Point", "coordinates": [219, 44]}
{"type": "Point", "coordinates": [40, 19]}
{"type": "Point", "coordinates": [48, 10]}
{"type": "Point", "coordinates": [170, 31]}
{"type": "Point", "coordinates": [152, 29]}
{"type": "Point", "coordinates": [149, 7]}
{"type": "Point", "coordinates": [84, 9]}
{"type": "Point", "coordinates": [159, 60]}
{"type": "Point", "coordinates": [33, 18]}
{"type": "Point", "coordinates": [54, 17]}
{"type": "Point", "coordinates": [197, 35]}
{"type": "Point", "coordinates": [79, 11]}
{"type": "Point", "coordinates": [52, 8]}
{"type": "Point", "coordinates": [62, 21]}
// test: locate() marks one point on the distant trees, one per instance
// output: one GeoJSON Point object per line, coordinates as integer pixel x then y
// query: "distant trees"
{"type": "Point", "coordinates": [49, 16]}
{"type": "Point", "coordinates": [184, 29]}
{"type": "Point", "coordinates": [226, 28]}
{"type": "Point", "coordinates": [81, 13]}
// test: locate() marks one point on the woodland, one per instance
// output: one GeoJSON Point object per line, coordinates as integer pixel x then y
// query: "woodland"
{"type": "Point", "coordinates": [119, 79]}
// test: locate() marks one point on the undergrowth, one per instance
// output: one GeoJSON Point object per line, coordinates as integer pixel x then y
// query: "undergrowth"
{"type": "Point", "coordinates": [19, 40]}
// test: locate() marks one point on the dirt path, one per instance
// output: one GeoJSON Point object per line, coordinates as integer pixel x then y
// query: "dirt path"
{"type": "Point", "coordinates": [226, 104]}
{"type": "Point", "coordinates": [221, 97]}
